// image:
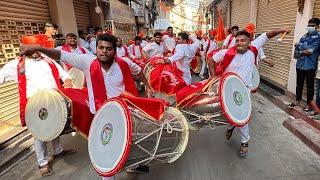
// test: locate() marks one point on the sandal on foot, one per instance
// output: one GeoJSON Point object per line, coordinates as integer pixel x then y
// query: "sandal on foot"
{"type": "Point", "coordinates": [292, 105]}
{"type": "Point", "coordinates": [46, 170]}
{"type": "Point", "coordinates": [229, 133]}
{"type": "Point", "coordinates": [65, 152]}
{"type": "Point", "coordinates": [244, 148]}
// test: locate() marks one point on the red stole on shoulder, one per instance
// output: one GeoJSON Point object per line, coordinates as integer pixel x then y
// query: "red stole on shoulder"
{"type": "Point", "coordinates": [97, 80]}
{"type": "Point", "coordinates": [22, 83]}
{"type": "Point", "coordinates": [67, 48]}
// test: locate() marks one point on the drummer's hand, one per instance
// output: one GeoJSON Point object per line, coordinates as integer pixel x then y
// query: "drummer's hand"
{"type": "Point", "coordinates": [150, 92]}
{"type": "Point", "coordinates": [28, 50]}
{"type": "Point", "coordinates": [271, 63]}
{"type": "Point", "coordinates": [67, 83]}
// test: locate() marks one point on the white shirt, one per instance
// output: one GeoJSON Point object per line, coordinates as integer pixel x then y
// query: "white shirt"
{"type": "Point", "coordinates": [93, 46]}
{"type": "Point", "coordinates": [137, 51]}
{"type": "Point", "coordinates": [154, 49]}
{"type": "Point", "coordinates": [121, 51]}
{"type": "Point", "coordinates": [242, 64]}
{"type": "Point", "coordinates": [213, 45]}
{"type": "Point", "coordinates": [83, 43]}
{"type": "Point", "coordinates": [144, 43]}
{"type": "Point", "coordinates": [226, 41]}
{"type": "Point", "coordinates": [113, 79]}
{"type": "Point", "coordinates": [183, 56]}
{"type": "Point", "coordinates": [169, 42]}
{"type": "Point", "coordinates": [77, 50]}
{"type": "Point", "coordinates": [38, 74]}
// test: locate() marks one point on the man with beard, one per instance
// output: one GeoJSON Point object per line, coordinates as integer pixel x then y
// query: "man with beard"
{"type": "Point", "coordinates": [154, 49]}
{"type": "Point", "coordinates": [71, 46]}
{"type": "Point", "coordinates": [107, 76]}
{"type": "Point", "coordinates": [241, 59]}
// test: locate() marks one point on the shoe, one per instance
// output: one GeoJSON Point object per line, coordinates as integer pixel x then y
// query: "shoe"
{"type": "Point", "coordinates": [141, 169]}
{"type": "Point", "coordinates": [201, 76]}
{"type": "Point", "coordinates": [307, 109]}
{"type": "Point", "coordinates": [316, 117]}
{"type": "Point", "coordinates": [310, 113]}
{"type": "Point", "coordinates": [292, 105]}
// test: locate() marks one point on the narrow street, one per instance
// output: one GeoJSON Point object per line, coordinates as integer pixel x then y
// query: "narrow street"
{"type": "Point", "coordinates": [274, 153]}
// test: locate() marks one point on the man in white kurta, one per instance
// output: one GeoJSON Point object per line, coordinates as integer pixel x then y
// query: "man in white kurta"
{"type": "Point", "coordinates": [135, 49]}
{"type": "Point", "coordinates": [122, 50]}
{"type": "Point", "coordinates": [230, 40]}
{"type": "Point", "coordinates": [209, 45]}
{"type": "Point", "coordinates": [39, 77]}
{"type": "Point", "coordinates": [155, 49]}
{"type": "Point", "coordinates": [169, 39]}
{"type": "Point", "coordinates": [242, 64]}
{"type": "Point", "coordinates": [112, 74]}
{"type": "Point", "coordinates": [184, 53]}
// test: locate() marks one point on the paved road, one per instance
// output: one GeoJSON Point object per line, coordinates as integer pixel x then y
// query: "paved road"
{"type": "Point", "coordinates": [274, 154]}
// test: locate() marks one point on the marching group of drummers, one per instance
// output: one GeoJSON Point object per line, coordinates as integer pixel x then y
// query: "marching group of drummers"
{"type": "Point", "coordinates": [68, 88]}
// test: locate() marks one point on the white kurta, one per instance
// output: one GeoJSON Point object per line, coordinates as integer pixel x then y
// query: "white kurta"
{"type": "Point", "coordinates": [183, 56]}
{"type": "Point", "coordinates": [38, 74]}
{"type": "Point", "coordinates": [83, 43]}
{"type": "Point", "coordinates": [93, 46]}
{"type": "Point", "coordinates": [77, 50]}
{"type": "Point", "coordinates": [144, 43]}
{"type": "Point", "coordinates": [226, 41]}
{"type": "Point", "coordinates": [242, 64]}
{"type": "Point", "coordinates": [169, 42]}
{"type": "Point", "coordinates": [154, 49]}
{"type": "Point", "coordinates": [113, 78]}
{"type": "Point", "coordinates": [136, 49]}
{"type": "Point", "coordinates": [213, 46]}
{"type": "Point", "coordinates": [121, 51]}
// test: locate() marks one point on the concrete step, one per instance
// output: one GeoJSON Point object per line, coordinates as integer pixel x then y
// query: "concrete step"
{"type": "Point", "coordinates": [305, 132]}
{"type": "Point", "coordinates": [15, 150]}
{"type": "Point", "coordinates": [283, 101]}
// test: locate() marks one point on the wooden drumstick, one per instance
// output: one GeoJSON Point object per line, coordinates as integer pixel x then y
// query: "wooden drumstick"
{"type": "Point", "coordinates": [282, 36]}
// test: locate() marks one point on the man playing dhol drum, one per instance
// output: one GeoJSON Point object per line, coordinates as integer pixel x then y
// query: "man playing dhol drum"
{"type": "Point", "coordinates": [240, 59]}
{"type": "Point", "coordinates": [35, 72]}
{"type": "Point", "coordinates": [107, 76]}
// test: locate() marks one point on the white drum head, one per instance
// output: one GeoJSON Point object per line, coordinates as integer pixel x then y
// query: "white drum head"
{"type": "Point", "coordinates": [110, 137]}
{"type": "Point", "coordinates": [46, 114]}
{"type": "Point", "coordinates": [234, 99]}
{"type": "Point", "coordinates": [77, 78]}
{"type": "Point", "coordinates": [255, 79]}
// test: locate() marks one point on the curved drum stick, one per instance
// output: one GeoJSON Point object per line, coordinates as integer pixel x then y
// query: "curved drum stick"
{"type": "Point", "coordinates": [282, 36]}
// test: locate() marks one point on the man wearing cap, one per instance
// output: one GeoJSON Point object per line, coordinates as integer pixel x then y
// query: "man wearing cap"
{"type": "Point", "coordinates": [241, 59]}
{"type": "Point", "coordinates": [35, 72]}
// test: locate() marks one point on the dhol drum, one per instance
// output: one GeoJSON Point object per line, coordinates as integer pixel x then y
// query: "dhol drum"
{"type": "Point", "coordinates": [170, 83]}
{"type": "Point", "coordinates": [49, 113]}
{"type": "Point", "coordinates": [255, 79]}
{"type": "Point", "coordinates": [123, 135]}
{"type": "Point", "coordinates": [220, 101]}
{"type": "Point", "coordinates": [77, 78]}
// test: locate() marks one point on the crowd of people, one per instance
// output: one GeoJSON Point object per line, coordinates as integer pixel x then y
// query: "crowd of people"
{"type": "Point", "coordinates": [109, 66]}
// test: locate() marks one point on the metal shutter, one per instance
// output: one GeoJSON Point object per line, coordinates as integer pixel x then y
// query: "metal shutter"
{"type": "Point", "coordinates": [316, 10]}
{"type": "Point", "coordinates": [240, 10]}
{"type": "Point", "coordinates": [81, 10]}
{"type": "Point", "coordinates": [271, 15]}
{"type": "Point", "coordinates": [17, 18]}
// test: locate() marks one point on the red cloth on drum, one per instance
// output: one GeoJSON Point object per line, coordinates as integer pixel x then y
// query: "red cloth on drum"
{"type": "Point", "coordinates": [140, 62]}
{"type": "Point", "coordinates": [153, 107]}
{"type": "Point", "coordinates": [81, 115]}
{"type": "Point", "coordinates": [67, 48]}
{"type": "Point", "coordinates": [166, 78]}
{"type": "Point", "coordinates": [98, 86]}
{"type": "Point", "coordinates": [22, 83]}
{"type": "Point", "coordinates": [186, 94]}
